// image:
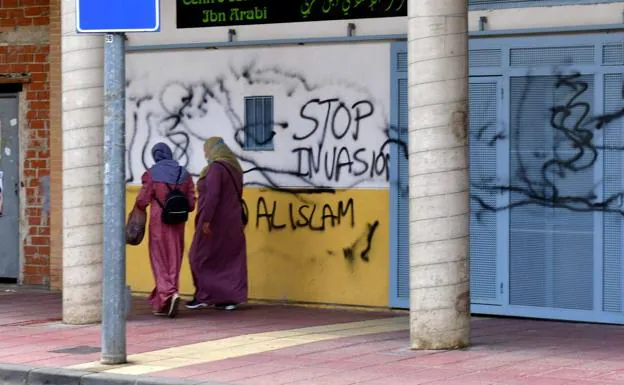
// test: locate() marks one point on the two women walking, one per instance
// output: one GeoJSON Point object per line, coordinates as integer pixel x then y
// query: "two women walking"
{"type": "Point", "coordinates": [218, 256]}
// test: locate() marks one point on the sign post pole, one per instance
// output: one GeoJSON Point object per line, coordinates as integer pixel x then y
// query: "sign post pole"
{"type": "Point", "coordinates": [115, 18]}
{"type": "Point", "coordinates": [114, 258]}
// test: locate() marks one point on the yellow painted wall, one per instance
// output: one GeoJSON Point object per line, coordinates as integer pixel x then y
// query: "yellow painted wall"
{"type": "Point", "coordinates": [296, 259]}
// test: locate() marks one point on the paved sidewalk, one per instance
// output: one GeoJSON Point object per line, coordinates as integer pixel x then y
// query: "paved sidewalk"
{"type": "Point", "coordinates": [261, 344]}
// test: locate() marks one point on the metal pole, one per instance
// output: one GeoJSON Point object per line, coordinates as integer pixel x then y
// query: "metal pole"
{"type": "Point", "coordinates": [114, 258]}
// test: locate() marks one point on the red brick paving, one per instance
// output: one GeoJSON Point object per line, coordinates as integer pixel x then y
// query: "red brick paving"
{"type": "Point", "coordinates": [504, 351]}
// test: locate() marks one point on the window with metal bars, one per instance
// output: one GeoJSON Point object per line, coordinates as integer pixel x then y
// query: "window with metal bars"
{"type": "Point", "coordinates": [259, 123]}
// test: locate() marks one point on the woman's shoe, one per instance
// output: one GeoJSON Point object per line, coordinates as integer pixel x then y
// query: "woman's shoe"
{"type": "Point", "coordinates": [164, 310]}
{"type": "Point", "coordinates": [173, 306]}
{"type": "Point", "coordinates": [195, 304]}
{"type": "Point", "coordinates": [226, 306]}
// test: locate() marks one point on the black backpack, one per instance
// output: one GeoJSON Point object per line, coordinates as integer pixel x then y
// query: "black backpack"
{"type": "Point", "coordinates": [175, 210]}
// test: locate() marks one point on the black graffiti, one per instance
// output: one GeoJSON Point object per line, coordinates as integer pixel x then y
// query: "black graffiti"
{"type": "Point", "coordinates": [170, 113]}
{"type": "Point", "coordinates": [135, 121]}
{"type": "Point", "coordinates": [362, 163]}
{"type": "Point", "coordinates": [334, 117]}
{"type": "Point", "coordinates": [313, 217]}
{"type": "Point", "coordinates": [336, 160]}
{"type": "Point", "coordinates": [575, 150]}
{"type": "Point", "coordinates": [349, 252]}
{"type": "Point", "coordinates": [339, 120]}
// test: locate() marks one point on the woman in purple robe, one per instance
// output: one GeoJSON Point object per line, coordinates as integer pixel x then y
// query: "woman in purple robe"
{"type": "Point", "coordinates": [218, 255]}
{"type": "Point", "coordinates": [166, 242]}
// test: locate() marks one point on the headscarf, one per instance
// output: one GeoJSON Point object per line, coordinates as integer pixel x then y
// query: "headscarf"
{"type": "Point", "coordinates": [166, 170]}
{"type": "Point", "coordinates": [216, 150]}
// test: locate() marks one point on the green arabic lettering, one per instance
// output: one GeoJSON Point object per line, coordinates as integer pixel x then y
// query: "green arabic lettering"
{"type": "Point", "coordinates": [373, 4]}
{"type": "Point", "coordinates": [389, 6]}
{"type": "Point", "coordinates": [346, 6]}
{"type": "Point", "coordinates": [400, 5]}
{"type": "Point", "coordinates": [329, 4]}
{"type": "Point", "coordinates": [306, 8]}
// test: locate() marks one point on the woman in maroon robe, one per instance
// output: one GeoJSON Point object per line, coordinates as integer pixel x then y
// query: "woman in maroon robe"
{"type": "Point", "coordinates": [166, 242]}
{"type": "Point", "coordinates": [218, 255]}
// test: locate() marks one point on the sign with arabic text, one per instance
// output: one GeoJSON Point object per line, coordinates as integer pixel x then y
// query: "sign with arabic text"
{"type": "Point", "coordinates": [220, 13]}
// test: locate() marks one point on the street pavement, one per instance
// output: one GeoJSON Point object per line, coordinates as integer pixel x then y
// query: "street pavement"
{"type": "Point", "coordinates": [273, 344]}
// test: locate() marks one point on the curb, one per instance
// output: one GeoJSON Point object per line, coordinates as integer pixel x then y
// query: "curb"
{"type": "Point", "coordinates": [28, 375]}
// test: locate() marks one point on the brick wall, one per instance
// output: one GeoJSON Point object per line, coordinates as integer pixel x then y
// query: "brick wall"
{"type": "Point", "coordinates": [23, 13]}
{"type": "Point", "coordinates": [25, 48]}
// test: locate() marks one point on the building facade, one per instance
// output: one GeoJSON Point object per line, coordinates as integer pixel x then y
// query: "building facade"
{"type": "Point", "coordinates": [313, 123]}
{"type": "Point", "coordinates": [314, 101]}
{"type": "Point", "coordinates": [317, 112]}
{"type": "Point", "coordinates": [29, 65]}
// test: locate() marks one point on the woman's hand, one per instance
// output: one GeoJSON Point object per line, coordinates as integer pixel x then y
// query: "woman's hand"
{"type": "Point", "coordinates": [206, 229]}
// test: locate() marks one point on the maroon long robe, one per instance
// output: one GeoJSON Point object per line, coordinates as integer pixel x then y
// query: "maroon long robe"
{"type": "Point", "coordinates": [166, 242]}
{"type": "Point", "coordinates": [219, 260]}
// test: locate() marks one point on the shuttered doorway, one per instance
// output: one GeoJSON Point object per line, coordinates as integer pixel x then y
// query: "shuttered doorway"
{"type": "Point", "coordinates": [546, 177]}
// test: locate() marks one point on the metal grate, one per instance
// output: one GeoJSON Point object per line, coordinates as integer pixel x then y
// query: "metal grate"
{"type": "Point", "coordinates": [259, 123]}
{"type": "Point", "coordinates": [521, 57]}
{"type": "Point", "coordinates": [613, 183]}
{"type": "Point", "coordinates": [613, 54]}
{"type": "Point", "coordinates": [485, 58]}
{"type": "Point", "coordinates": [551, 239]}
{"type": "Point", "coordinates": [403, 201]}
{"type": "Point", "coordinates": [483, 128]}
{"type": "Point", "coordinates": [401, 62]}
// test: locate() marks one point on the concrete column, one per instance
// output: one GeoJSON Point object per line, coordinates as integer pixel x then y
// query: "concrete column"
{"type": "Point", "coordinates": [83, 120]}
{"type": "Point", "coordinates": [438, 75]}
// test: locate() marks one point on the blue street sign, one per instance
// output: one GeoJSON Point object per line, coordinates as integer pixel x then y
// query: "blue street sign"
{"type": "Point", "coordinates": [117, 16]}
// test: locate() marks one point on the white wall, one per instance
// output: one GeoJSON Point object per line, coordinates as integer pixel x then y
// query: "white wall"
{"type": "Point", "coordinates": [187, 96]}
{"type": "Point", "coordinates": [548, 17]}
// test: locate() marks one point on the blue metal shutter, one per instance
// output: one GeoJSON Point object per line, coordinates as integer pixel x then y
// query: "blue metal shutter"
{"type": "Point", "coordinates": [399, 180]}
{"type": "Point", "coordinates": [523, 57]}
{"type": "Point", "coordinates": [485, 58]}
{"type": "Point", "coordinates": [613, 54]}
{"type": "Point", "coordinates": [613, 236]}
{"type": "Point", "coordinates": [551, 231]}
{"type": "Point", "coordinates": [403, 207]}
{"type": "Point", "coordinates": [482, 131]}
{"type": "Point", "coordinates": [259, 123]}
